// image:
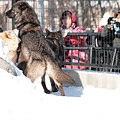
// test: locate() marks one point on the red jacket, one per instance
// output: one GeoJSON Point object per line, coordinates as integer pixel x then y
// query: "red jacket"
{"type": "Point", "coordinates": [75, 55]}
{"type": "Point", "coordinates": [74, 39]}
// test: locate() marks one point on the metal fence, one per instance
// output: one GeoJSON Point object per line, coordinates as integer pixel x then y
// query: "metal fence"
{"type": "Point", "coordinates": [89, 13]}
{"type": "Point", "coordinates": [99, 58]}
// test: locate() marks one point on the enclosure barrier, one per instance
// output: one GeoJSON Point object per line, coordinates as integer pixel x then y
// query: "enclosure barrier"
{"type": "Point", "coordinates": [99, 58]}
{"type": "Point", "coordinates": [83, 78]}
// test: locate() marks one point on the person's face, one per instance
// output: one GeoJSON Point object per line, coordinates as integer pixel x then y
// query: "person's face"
{"type": "Point", "coordinates": [67, 21]}
{"type": "Point", "coordinates": [118, 18]}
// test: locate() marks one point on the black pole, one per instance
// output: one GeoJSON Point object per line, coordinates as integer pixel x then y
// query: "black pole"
{"type": "Point", "coordinates": [13, 1]}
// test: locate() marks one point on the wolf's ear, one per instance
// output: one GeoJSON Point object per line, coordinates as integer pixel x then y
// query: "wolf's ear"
{"type": "Point", "coordinates": [47, 32]}
{"type": "Point", "coordinates": [23, 6]}
{"type": "Point", "coordinates": [8, 34]}
{"type": "Point", "coordinates": [59, 32]}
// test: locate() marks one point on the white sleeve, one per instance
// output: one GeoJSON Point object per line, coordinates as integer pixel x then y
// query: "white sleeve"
{"type": "Point", "coordinates": [65, 32]}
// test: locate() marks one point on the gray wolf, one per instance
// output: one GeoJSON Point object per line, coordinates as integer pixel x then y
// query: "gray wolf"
{"type": "Point", "coordinates": [41, 59]}
{"type": "Point", "coordinates": [11, 40]}
{"type": "Point", "coordinates": [55, 41]}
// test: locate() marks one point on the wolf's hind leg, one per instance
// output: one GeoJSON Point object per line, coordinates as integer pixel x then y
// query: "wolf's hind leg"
{"type": "Point", "coordinates": [60, 88]}
{"type": "Point", "coordinates": [53, 85]}
{"type": "Point", "coordinates": [44, 85]}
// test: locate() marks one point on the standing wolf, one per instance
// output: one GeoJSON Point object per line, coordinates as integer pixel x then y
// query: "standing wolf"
{"type": "Point", "coordinates": [41, 59]}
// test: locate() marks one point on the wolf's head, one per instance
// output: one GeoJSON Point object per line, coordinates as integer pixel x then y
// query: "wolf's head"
{"type": "Point", "coordinates": [22, 13]}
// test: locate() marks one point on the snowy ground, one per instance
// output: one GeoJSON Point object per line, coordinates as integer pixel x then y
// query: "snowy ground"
{"type": "Point", "coordinates": [22, 100]}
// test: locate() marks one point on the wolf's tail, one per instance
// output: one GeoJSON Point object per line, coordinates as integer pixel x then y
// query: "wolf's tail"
{"type": "Point", "coordinates": [57, 74]}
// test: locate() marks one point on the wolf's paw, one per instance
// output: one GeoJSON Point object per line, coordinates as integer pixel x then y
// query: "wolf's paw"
{"type": "Point", "coordinates": [54, 89]}
{"type": "Point", "coordinates": [47, 91]}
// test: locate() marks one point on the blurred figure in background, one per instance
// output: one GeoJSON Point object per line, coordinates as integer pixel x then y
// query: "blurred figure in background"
{"type": "Point", "coordinates": [111, 31]}
{"type": "Point", "coordinates": [69, 24]}
{"type": "Point", "coordinates": [111, 34]}
{"type": "Point", "coordinates": [116, 42]}
{"type": "Point", "coordinates": [103, 22]}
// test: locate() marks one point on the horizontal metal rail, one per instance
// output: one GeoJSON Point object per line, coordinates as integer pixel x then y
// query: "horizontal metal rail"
{"type": "Point", "coordinates": [108, 55]}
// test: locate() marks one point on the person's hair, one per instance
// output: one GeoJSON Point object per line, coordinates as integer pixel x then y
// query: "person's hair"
{"type": "Point", "coordinates": [71, 15]}
{"type": "Point", "coordinates": [117, 12]}
{"type": "Point", "coordinates": [65, 14]}
{"type": "Point", "coordinates": [110, 19]}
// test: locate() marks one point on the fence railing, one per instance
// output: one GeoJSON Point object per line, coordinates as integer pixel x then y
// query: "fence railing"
{"type": "Point", "coordinates": [98, 58]}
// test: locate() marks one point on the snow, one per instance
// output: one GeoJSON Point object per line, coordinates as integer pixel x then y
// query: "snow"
{"type": "Point", "coordinates": [20, 99]}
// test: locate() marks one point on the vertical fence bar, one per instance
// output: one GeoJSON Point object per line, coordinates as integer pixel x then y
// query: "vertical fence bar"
{"type": "Point", "coordinates": [41, 13]}
{"type": "Point", "coordinates": [13, 1]}
{"type": "Point", "coordinates": [9, 21]}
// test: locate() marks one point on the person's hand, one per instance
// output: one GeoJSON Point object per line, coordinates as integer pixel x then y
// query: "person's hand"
{"type": "Point", "coordinates": [65, 32]}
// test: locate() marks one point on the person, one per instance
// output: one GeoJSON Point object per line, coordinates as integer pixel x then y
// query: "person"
{"type": "Point", "coordinates": [116, 42]}
{"type": "Point", "coordinates": [69, 24]}
{"type": "Point", "coordinates": [111, 33]}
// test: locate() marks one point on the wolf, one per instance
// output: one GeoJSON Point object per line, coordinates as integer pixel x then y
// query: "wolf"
{"type": "Point", "coordinates": [55, 41]}
{"type": "Point", "coordinates": [11, 40]}
{"type": "Point", "coordinates": [41, 59]}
